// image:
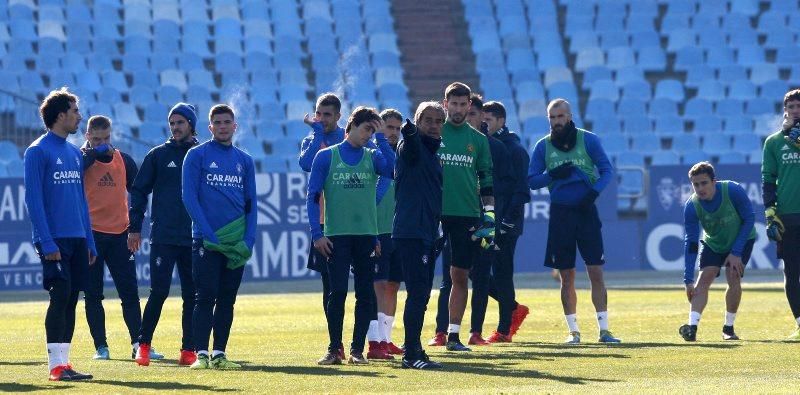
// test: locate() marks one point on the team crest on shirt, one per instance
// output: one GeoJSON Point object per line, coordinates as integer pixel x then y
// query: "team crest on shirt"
{"type": "Point", "coordinates": [158, 261]}
{"type": "Point", "coordinates": [238, 167]}
{"type": "Point", "coordinates": [201, 252]}
{"type": "Point", "coordinates": [470, 148]}
{"type": "Point", "coordinates": [424, 259]}
{"type": "Point", "coordinates": [77, 161]}
{"type": "Point", "coordinates": [59, 162]}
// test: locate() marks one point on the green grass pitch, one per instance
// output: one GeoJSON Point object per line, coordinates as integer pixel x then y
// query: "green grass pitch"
{"type": "Point", "coordinates": [279, 336]}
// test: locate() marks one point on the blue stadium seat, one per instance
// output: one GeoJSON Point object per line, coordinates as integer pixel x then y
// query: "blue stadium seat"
{"type": "Point", "coordinates": [161, 61]}
{"type": "Point", "coordinates": [631, 106]}
{"type": "Point", "coordinates": [108, 95]}
{"type": "Point", "coordinates": [764, 73]}
{"type": "Point", "coordinates": [619, 57]}
{"type": "Point", "coordinates": [168, 95]}
{"type": "Point", "coordinates": [637, 90]}
{"type": "Point", "coordinates": [688, 57]}
{"type": "Point", "coordinates": [669, 125]}
{"type": "Point", "coordinates": [738, 124]}
{"type": "Point", "coordinates": [629, 74]}
{"type": "Point", "coordinates": [584, 39]}
{"type": "Point", "coordinates": [732, 158]}
{"type": "Point", "coordinates": [708, 124]}
{"type": "Point", "coordinates": [663, 106]}
{"type": "Point", "coordinates": [665, 158]}
{"type": "Point", "coordinates": [685, 142]}
{"type": "Point", "coordinates": [155, 112]}
{"type": "Point", "coordinates": [745, 7]}
{"type": "Point", "coordinates": [716, 144]}
{"type": "Point", "coordinates": [631, 158]}
{"type": "Point", "coordinates": [599, 108]}
{"type": "Point", "coordinates": [595, 73]}
{"type": "Point", "coordinates": [89, 81]}
{"type": "Point", "coordinates": [126, 114]}
{"type": "Point", "coordinates": [689, 158]}
{"type": "Point", "coordinates": [608, 124]}
{"type": "Point", "coordinates": [604, 89]}
{"type": "Point", "coordinates": [760, 106]}
{"type": "Point", "coordinates": [697, 108]}
{"type": "Point", "coordinates": [613, 38]}
{"type": "Point", "coordinates": [712, 39]}
{"type": "Point", "coordinates": [681, 38]}
{"type": "Point", "coordinates": [652, 58]}
{"type": "Point", "coordinates": [227, 62]}
{"type": "Point", "coordinates": [730, 107]}
{"type": "Point", "coordinates": [746, 142]}
{"type": "Point", "coordinates": [191, 62]}
{"type": "Point", "coordinates": [720, 56]}
{"type": "Point", "coordinates": [672, 22]}
{"type": "Point", "coordinates": [564, 90]}
{"type": "Point", "coordinates": [645, 39]}
{"type": "Point", "coordinates": [614, 143]}
{"type": "Point", "coordinates": [636, 124]}
{"type": "Point", "coordinates": [697, 74]}
{"type": "Point", "coordinates": [529, 90]}
{"type": "Point", "coordinates": [773, 90]}
{"type": "Point", "coordinates": [744, 38]}
{"type": "Point", "coordinates": [711, 90]}
{"type": "Point", "coordinates": [669, 89]}
{"type": "Point", "coordinates": [731, 73]}
{"type": "Point", "coordinates": [778, 37]}
{"type": "Point", "coordinates": [787, 56]}
{"type": "Point", "coordinates": [742, 89]}
{"type": "Point", "coordinates": [114, 79]}
{"type": "Point", "coordinates": [536, 125]}
{"type": "Point", "coordinates": [141, 95]}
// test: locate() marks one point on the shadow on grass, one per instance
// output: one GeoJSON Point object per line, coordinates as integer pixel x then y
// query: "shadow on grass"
{"type": "Point", "coordinates": [17, 387]}
{"type": "Point", "coordinates": [163, 385]}
{"type": "Point", "coordinates": [625, 345]}
{"type": "Point", "coordinates": [493, 369]}
{"type": "Point", "coordinates": [20, 363]}
{"type": "Point", "coordinates": [311, 369]}
{"type": "Point", "coordinates": [528, 355]}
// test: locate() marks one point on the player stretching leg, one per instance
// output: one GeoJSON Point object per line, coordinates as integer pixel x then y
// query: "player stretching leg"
{"type": "Point", "coordinates": [717, 207]}
{"type": "Point", "coordinates": [62, 233]}
{"type": "Point", "coordinates": [388, 270]}
{"type": "Point", "coordinates": [780, 170]}
{"type": "Point", "coordinates": [565, 162]}
{"type": "Point", "coordinates": [344, 176]}
{"type": "Point", "coordinates": [109, 174]}
{"type": "Point", "coordinates": [170, 231]}
{"type": "Point", "coordinates": [416, 221]}
{"type": "Point", "coordinates": [219, 191]}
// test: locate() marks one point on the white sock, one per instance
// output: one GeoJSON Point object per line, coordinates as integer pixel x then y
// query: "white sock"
{"type": "Point", "coordinates": [453, 328]}
{"type": "Point", "coordinates": [53, 355]}
{"type": "Point", "coordinates": [602, 320]}
{"type": "Point", "coordinates": [135, 346]}
{"type": "Point", "coordinates": [798, 320]}
{"type": "Point", "coordinates": [381, 327]}
{"type": "Point", "coordinates": [694, 318]}
{"type": "Point", "coordinates": [64, 353]}
{"type": "Point", "coordinates": [729, 318]}
{"type": "Point", "coordinates": [216, 352]}
{"type": "Point", "coordinates": [572, 322]}
{"type": "Point", "coordinates": [372, 332]}
{"type": "Point", "coordinates": [387, 329]}
{"type": "Point", "coordinates": [202, 352]}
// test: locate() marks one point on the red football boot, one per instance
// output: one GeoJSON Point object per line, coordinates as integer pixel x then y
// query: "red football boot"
{"type": "Point", "coordinates": [438, 340]}
{"type": "Point", "coordinates": [143, 354]}
{"type": "Point", "coordinates": [517, 317]}
{"type": "Point", "coordinates": [498, 337]}
{"type": "Point", "coordinates": [187, 357]}
{"type": "Point", "coordinates": [376, 351]}
{"type": "Point", "coordinates": [391, 348]}
{"type": "Point", "coordinates": [476, 340]}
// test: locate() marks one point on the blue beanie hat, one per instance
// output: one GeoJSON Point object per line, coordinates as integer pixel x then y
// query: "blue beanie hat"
{"type": "Point", "coordinates": [187, 111]}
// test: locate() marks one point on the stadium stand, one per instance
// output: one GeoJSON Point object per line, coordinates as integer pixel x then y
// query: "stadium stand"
{"type": "Point", "coordinates": [270, 59]}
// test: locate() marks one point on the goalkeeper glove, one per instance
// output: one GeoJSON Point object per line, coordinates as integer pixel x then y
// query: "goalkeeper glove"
{"type": "Point", "coordinates": [775, 226]}
{"type": "Point", "coordinates": [485, 227]}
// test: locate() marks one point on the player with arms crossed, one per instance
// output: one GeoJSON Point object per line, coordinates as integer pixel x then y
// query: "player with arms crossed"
{"type": "Point", "coordinates": [725, 213]}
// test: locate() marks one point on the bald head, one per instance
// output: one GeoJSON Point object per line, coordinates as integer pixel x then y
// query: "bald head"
{"type": "Point", "coordinates": [559, 114]}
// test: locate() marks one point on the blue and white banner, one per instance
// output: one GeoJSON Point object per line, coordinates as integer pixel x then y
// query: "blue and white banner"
{"type": "Point", "coordinates": [283, 240]}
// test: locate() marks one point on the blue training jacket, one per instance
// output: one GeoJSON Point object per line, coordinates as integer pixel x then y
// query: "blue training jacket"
{"type": "Point", "coordinates": [54, 192]}
{"type": "Point", "coordinates": [219, 186]}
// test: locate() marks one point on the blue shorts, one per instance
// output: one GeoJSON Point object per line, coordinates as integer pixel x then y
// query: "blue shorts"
{"type": "Point", "coordinates": [710, 258]}
{"type": "Point", "coordinates": [388, 266]}
{"type": "Point", "coordinates": [73, 266]}
{"type": "Point", "coordinates": [570, 227]}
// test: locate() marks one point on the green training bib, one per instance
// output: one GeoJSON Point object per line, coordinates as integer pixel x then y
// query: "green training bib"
{"type": "Point", "coordinates": [350, 196]}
